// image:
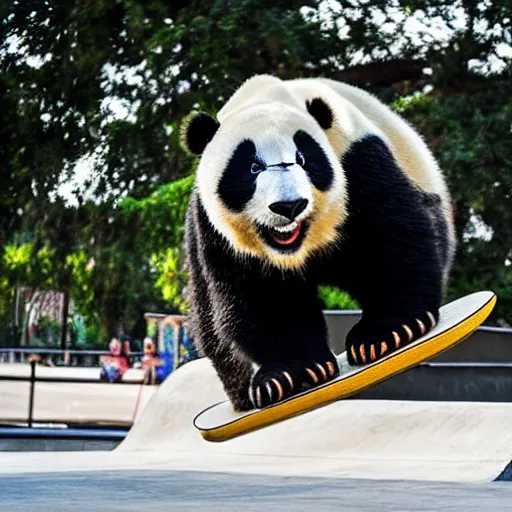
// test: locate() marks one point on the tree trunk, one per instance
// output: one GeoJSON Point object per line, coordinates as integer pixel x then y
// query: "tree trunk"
{"type": "Point", "coordinates": [64, 330]}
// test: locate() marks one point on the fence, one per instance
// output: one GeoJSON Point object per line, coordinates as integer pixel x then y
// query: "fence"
{"type": "Point", "coordinates": [82, 358]}
{"type": "Point", "coordinates": [99, 403]}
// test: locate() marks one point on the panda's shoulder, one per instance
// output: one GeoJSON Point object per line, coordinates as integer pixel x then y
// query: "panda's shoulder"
{"type": "Point", "coordinates": [341, 99]}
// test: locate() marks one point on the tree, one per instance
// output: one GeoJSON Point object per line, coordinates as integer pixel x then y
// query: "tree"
{"type": "Point", "coordinates": [105, 85]}
{"type": "Point", "coordinates": [66, 65]}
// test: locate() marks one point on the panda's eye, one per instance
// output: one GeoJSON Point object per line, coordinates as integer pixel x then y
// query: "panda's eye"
{"type": "Point", "coordinates": [256, 167]}
{"type": "Point", "coordinates": [300, 158]}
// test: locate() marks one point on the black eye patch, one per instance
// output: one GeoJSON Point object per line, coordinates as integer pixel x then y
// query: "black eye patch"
{"type": "Point", "coordinates": [238, 183]}
{"type": "Point", "coordinates": [316, 163]}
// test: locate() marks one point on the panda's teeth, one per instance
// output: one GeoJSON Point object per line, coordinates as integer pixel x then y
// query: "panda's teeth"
{"type": "Point", "coordinates": [290, 228]}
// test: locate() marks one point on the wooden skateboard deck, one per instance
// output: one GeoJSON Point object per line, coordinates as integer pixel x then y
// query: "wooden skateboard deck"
{"type": "Point", "coordinates": [457, 321]}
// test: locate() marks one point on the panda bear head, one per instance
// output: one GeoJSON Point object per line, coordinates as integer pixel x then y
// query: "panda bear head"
{"type": "Point", "coordinates": [268, 178]}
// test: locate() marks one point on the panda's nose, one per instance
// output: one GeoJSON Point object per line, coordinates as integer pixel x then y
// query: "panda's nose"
{"type": "Point", "coordinates": [289, 209]}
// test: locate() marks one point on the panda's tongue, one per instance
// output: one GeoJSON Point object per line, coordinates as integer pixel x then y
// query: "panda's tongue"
{"type": "Point", "coordinates": [286, 238]}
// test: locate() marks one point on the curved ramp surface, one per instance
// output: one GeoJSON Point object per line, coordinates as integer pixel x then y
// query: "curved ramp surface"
{"type": "Point", "coordinates": [443, 441]}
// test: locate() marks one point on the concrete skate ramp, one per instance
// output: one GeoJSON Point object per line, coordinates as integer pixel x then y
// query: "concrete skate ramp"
{"type": "Point", "coordinates": [441, 441]}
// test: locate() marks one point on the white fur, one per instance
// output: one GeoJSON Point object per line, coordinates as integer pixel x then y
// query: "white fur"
{"type": "Point", "coordinates": [275, 185]}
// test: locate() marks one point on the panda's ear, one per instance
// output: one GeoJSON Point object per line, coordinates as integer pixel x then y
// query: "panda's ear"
{"type": "Point", "coordinates": [197, 130]}
{"type": "Point", "coordinates": [319, 109]}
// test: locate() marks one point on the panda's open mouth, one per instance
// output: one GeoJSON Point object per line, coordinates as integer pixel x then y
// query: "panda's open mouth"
{"type": "Point", "coordinates": [284, 240]}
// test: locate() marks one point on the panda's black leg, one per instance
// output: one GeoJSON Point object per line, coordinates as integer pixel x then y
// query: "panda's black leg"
{"type": "Point", "coordinates": [296, 358]}
{"type": "Point", "coordinates": [234, 373]}
{"type": "Point", "coordinates": [374, 338]}
{"type": "Point", "coordinates": [232, 368]}
{"type": "Point", "coordinates": [248, 315]}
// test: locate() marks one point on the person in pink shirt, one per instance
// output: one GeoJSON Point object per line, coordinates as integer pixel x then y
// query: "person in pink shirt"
{"type": "Point", "coordinates": [115, 364]}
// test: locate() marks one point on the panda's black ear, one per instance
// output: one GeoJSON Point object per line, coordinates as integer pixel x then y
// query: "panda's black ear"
{"type": "Point", "coordinates": [197, 130]}
{"type": "Point", "coordinates": [319, 109]}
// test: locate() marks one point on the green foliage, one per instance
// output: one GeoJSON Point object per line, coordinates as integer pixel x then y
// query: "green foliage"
{"type": "Point", "coordinates": [160, 217]}
{"type": "Point", "coordinates": [171, 279]}
{"type": "Point", "coordinates": [160, 221]}
{"type": "Point", "coordinates": [333, 298]}
{"type": "Point", "coordinates": [16, 257]}
{"type": "Point", "coordinates": [6, 309]}
{"type": "Point", "coordinates": [47, 333]}
{"type": "Point", "coordinates": [27, 265]}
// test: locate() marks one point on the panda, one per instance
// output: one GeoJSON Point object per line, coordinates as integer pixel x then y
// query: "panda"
{"type": "Point", "coordinates": [300, 183]}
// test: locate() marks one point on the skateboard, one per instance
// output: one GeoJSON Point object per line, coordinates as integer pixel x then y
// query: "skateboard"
{"type": "Point", "coordinates": [457, 321]}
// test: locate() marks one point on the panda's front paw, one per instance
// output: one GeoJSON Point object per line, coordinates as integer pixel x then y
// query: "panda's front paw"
{"type": "Point", "coordinates": [369, 341]}
{"type": "Point", "coordinates": [272, 384]}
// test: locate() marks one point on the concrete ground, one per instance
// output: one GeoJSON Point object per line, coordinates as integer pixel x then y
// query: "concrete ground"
{"type": "Point", "coordinates": [351, 455]}
{"type": "Point", "coordinates": [183, 491]}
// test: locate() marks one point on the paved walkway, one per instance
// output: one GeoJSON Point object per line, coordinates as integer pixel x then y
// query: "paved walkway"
{"type": "Point", "coordinates": [183, 491]}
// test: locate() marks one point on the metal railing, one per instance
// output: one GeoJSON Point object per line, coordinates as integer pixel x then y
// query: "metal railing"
{"type": "Point", "coordinates": [68, 357]}
{"type": "Point", "coordinates": [33, 378]}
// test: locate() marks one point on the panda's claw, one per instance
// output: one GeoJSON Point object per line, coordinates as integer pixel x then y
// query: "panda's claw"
{"type": "Point", "coordinates": [370, 340]}
{"type": "Point", "coordinates": [279, 389]}
{"type": "Point", "coordinates": [330, 368]}
{"type": "Point", "coordinates": [432, 319]}
{"type": "Point", "coordinates": [362, 353]}
{"type": "Point", "coordinates": [322, 371]}
{"type": "Point", "coordinates": [409, 332]}
{"type": "Point", "coordinates": [269, 390]}
{"type": "Point", "coordinates": [258, 397]}
{"type": "Point", "coordinates": [313, 375]}
{"type": "Point", "coordinates": [289, 378]}
{"type": "Point", "coordinates": [270, 387]}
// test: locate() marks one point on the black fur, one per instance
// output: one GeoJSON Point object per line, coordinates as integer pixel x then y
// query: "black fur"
{"type": "Point", "coordinates": [388, 260]}
{"type": "Point", "coordinates": [233, 369]}
{"type": "Point", "coordinates": [197, 131]}
{"type": "Point", "coordinates": [432, 204]}
{"type": "Point", "coordinates": [321, 112]}
{"type": "Point", "coordinates": [316, 163]}
{"type": "Point", "coordinates": [238, 184]}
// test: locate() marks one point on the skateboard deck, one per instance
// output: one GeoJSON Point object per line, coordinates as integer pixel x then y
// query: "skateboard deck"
{"type": "Point", "coordinates": [457, 321]}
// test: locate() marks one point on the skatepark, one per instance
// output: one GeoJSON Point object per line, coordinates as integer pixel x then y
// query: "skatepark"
{"type": "Point", "coordinates": [360, 454]}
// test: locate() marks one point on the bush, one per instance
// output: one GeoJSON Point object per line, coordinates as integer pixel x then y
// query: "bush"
{"type": "Point", "coordinates": [334, 298]}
